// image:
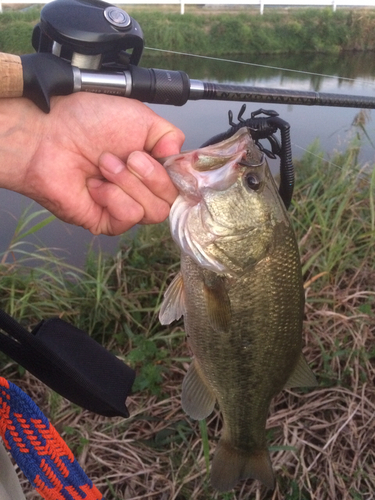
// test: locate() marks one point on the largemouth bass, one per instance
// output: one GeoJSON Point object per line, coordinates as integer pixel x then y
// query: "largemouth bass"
{"type": "Point", "coordinates": [240, 292]}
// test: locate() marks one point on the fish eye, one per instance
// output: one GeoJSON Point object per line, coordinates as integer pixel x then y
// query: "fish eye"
{"type": "Point", "coordinates": [252, 181]}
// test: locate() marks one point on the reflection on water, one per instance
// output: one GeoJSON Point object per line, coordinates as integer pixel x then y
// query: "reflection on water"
{"type": "Point", "coordinates": [353, 73]}
{"type": "Point", "coordinates": [304, 68]}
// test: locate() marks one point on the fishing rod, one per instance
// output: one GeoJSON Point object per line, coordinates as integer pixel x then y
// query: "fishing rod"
{"type": "Point", "coordinates": [93, 46]}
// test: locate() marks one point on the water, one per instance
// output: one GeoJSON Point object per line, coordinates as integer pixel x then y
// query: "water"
{"type": "Point", "coordinates": [352, 74]}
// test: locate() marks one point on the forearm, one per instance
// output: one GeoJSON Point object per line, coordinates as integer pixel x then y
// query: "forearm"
{"type": "Point", "coordinates": [20, 134]}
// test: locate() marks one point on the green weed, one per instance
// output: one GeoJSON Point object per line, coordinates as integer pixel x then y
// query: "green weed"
{"type": "Point", "coordinates": [216, 33]}
{"type": "Point", "coordinates": [331, 214]}
{"type": "Point", "coordinates": [147, 358]}
{"type": "Point", "coordinates": [206, 446]}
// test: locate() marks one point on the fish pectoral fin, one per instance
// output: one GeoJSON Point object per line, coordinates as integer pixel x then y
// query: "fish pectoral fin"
{"type": "Point", "coordinates": [302, 375]}
{"type": "Point", "coordinates": [231, 464]}
{"type": "Point", "coordinates": [217, 302]}
{"type": "Point", "coordinates": [197, 398]}
{"type": "Point", "coordinates": [173, 305]}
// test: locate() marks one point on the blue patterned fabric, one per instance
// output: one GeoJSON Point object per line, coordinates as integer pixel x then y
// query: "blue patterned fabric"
{"type": "Point", "coordinates": [39, 450]}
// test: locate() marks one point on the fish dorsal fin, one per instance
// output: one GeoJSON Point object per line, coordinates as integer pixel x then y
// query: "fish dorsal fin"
{"type": "Point", "coordinates": [197, 398]}
{"type": "Point", "coordinates": [231, 464]}
{"type": "Point", "coordinates": [173, 306]}
{"type": "Point", "coordinates": [302, 375]}
{"type": "Point", "coordinates": [217, 302]}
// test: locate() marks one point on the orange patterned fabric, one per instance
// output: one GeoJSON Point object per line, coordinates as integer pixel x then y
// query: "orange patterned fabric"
{"type": "Point", "coordinates": [39, 450]}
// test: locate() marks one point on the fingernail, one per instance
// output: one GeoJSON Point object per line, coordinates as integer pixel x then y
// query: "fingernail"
{"type": "Point", "coordinates": [111, 163]}
{"type": "Point", "coordinates": [140, 164]}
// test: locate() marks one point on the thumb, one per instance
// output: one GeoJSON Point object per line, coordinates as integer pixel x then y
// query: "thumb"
{"type": "Point", "coordinates": [169, 143]}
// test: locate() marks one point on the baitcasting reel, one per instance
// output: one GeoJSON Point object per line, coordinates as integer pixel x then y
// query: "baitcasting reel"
{"type": "Point", "coordinates": [89, 35]}
{"type": "Point", "coordinates": [93, 46]}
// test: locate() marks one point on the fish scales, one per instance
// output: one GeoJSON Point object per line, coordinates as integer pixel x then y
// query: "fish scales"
{"type": "Point", "coordinates": [261, 325]}
{"type": "Point", "coordinates": [241, 294]}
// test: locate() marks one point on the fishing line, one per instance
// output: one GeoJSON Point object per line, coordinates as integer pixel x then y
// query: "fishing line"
{"type": "Point", "coordinates": [319, 156]}
{"type": "Point", "coordinates": [219, 59]}
{"type": "Point", "coordinates": [322, 156]}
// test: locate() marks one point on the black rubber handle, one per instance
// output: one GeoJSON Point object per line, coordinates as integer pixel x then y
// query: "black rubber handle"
{"type": "Point", "coordinates": [159, 86]}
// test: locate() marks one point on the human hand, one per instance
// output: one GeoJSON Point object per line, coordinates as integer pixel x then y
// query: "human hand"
{"type": "Point", "coordinates": [89, 160]}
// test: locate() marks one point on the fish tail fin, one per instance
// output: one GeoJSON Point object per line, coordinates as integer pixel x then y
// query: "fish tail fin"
{"type": "Point", "coordinates": [230, 465]}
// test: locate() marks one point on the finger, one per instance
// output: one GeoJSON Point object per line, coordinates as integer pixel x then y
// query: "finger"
{"type": "Point", "coordinates": [169, 143]}
{"type": "Point", "coordinates": [143, 178]}
{"type": "Point", "coordinates": [153, 175]}
{"type": "Point", "coordinates": [163, 138]}
{"type": "Point", "coordinates": [119, 212]}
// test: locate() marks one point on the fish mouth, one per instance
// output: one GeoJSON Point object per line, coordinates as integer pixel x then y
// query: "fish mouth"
{"type": "Point", "coordinates": [216, 175]}
{"type": "Point", "coordinates": [224, 150]}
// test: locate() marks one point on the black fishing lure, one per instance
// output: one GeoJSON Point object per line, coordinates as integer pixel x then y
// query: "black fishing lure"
{"type": "Point", "coordinates": [265, 127]}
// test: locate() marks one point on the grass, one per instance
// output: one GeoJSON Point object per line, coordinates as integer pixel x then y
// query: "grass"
{"type": "Point", "coordinates": [321, 441]}
{"type": "Point", "coordinates": [231, 31]}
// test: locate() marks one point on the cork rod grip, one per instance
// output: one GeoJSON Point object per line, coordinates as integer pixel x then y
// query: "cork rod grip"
{"type": "Point", "coordinates": [11, 76]}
